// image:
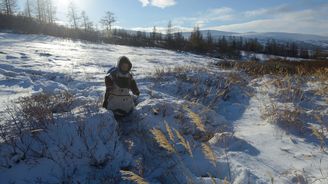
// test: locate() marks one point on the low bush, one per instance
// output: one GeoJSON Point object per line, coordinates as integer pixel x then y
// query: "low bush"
{"type": "Point", "coordinates": [279, 67]}
{"type": "Point", "coordinates": [64, 135]}
{"type": "Point", "coordinates": [36, 111]}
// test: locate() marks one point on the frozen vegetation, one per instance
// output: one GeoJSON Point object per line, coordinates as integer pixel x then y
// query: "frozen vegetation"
{"type": "Point", "coordinates": [198, 119]}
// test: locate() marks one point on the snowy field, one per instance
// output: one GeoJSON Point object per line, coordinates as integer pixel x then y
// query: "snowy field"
{"type": "Point", "coordinates": [194, 122]}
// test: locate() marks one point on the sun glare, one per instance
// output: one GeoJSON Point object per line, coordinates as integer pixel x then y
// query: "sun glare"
{"type": "Point", "coordinates": [65, 3]}
{"type": "Point", "coordinates": [61, 3]}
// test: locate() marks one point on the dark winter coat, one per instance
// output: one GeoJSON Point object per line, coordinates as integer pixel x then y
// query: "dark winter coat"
{"type": "Point", "coordinates": [118, 84]}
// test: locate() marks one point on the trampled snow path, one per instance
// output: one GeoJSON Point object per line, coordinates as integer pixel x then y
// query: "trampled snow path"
{"type": "Point", "coordinates": [283, 158]}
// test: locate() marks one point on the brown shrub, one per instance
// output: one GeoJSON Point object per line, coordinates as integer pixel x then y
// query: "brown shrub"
{"type": "Point", "coordinates": [279, 67]}
{"type": "Point", "coordinates": [36, 111]}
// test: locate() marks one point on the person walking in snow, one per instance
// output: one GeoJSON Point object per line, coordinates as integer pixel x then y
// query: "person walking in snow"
{"type": "Point", "coordinates": [119, 81]}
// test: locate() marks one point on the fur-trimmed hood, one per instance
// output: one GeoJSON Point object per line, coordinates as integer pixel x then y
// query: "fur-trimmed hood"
{"type": "Point", "coordinates": [122, 60]}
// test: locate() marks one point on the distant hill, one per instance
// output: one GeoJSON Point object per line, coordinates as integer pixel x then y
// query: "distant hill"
{"type": "Point", "coordinates": [267, 35]}
{"type": "Point", "coordinates": [306, 39]}
{"type": "Point", "coordinates": [310, 41]}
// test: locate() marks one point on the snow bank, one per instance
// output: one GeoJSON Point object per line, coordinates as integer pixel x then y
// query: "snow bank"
{"type": "Point", "coordinates": [79, 147]}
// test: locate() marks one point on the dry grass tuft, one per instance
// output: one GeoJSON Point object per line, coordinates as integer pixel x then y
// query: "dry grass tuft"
{"type": "Point", "coordinates": [291, 118]}
{"type": "Point", "coordinates": [286, 117]}
{"type": "Point", "coordinates": [184, 142]}
{"type": "Point", "coordinates": [320, 135]}
{"type": "Point", "coordinates": [209, 154]}
{"type": "Point", "coordinates": [212, 178]}
{"type": "Point", "coordinates": [132, 177]}
{"type": "Point", "coordinates": [196, 119]}
{"type": "Point", "coordinates": [169, 131]}
{"type": "Point", "coordinates": [162, 140]}
{"type": "Point", "coordinates": [280, 67]}
{"type": "Point", "coordinates": [323, 90]}
{"type": "Point", "coordinates": [178, 71]}
{"type": "Point", "coordinates": [236, 79]}
{"type": "Point", "coordinates": [322, 74]}
{"type": "Point", "coordinates": [320, 132]}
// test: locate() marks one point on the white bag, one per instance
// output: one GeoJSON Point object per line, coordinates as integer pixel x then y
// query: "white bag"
{"type": "Point", "coordinates": [120, 100]}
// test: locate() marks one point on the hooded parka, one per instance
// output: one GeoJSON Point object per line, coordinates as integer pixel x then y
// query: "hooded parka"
{"type": "Point", "coordinates": [118, 86]}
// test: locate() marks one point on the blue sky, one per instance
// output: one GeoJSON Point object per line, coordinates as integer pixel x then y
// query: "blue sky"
{"type": "Point", "coordinates": [298, 16]}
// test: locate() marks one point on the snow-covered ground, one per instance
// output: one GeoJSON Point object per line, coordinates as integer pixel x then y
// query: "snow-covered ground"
{"type": "Point", "coordinates": [200, 109]}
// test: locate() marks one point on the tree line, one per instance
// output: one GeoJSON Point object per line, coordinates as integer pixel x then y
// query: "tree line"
{"type": "Point", "coordinates": [39, 17]}
{"type": "Point", "coordinates": [223, 46]}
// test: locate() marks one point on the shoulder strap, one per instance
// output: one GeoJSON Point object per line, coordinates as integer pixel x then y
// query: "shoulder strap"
{"type": "Point", "coordinates": [113, 69]}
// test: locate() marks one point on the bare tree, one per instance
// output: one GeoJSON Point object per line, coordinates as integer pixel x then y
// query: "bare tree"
{"type": "Point", "coordinates": [169, 35]}
{"type": "Point", "coordinates": [50, 11]}
{"type": "Point", "coordinates": [196, 39]}
{"type": "Point", "coordinates": [169, 31]}
{"type": "Point", "coordinates": [28, 8]}
{"type": "Point", "coordinates": [154, 35]}
{"type": "Point", "coordinates": [45, 10]}
{"type": "Point", "coordinates": [40, 10]}
{"type": "Point", "coordinates": [108, 20]}
{"type": "Point", "coordinates": [86, 23]}
{"type": "Point", "coordinates": [8, 6]}
{"type": "Point", "coordinates": [73, 16]}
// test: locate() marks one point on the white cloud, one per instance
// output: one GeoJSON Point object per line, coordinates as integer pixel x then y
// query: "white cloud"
{"type": "Point", "coordinates": [310, 21]}
{"type": "Point", "coordinates": [283, 18]}
{"type": "Point", "coordinates": [220, 11]}
{"type": "Point", "coordinates": [144, 2]}
{"type": "Point", "coordinates": [216, 14]}
{"type": "Point", "coordinates": [158, 3]}
{"type": "Point", "coordinates": [186, 24]}
{"type": "Point", "coordinates": [163, 29]}
{"type": "Point", "coordinates": [219, 14]}
{"type": "Point", "coordinates": [163, 3]}
{"type": "Point", "coordinates": [257, 12]}
{"type": "Point", "coordinates": [268, 11]}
